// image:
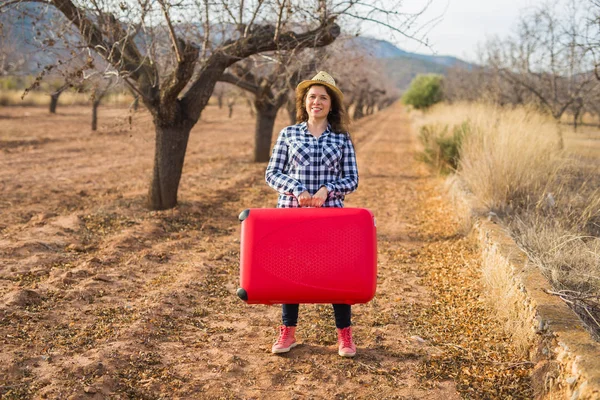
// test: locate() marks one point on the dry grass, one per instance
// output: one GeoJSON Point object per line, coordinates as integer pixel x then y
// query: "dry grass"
{"type": "Point", "coordinates": [569, 258]}
{"type": "Point", "coordinates": [510, 156]}
{"type": "Point", "coordinates": [39, 98]}
{"type": "Point", "coordinates": [543, 179]}
{"type": "Point", "coordinates": [464, 215]}
{"type": "Point", "coordinates": [505, 296]}
{"type": "Point", "coordinates": [585, 141]}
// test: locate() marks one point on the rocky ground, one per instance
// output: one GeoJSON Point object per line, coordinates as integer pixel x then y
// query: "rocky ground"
{"type": "Point", "coordinates": [101, 298]}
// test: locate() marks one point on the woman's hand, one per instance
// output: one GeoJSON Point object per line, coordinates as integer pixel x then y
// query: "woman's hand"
{"type": "Point", "coordinates": [319, 198]}
{"type": "Point", "coordinates": [304, 199]}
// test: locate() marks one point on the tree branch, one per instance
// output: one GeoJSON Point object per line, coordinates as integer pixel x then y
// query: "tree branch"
{"type": "Point", "coordinates": [260, 40]}
{"type": "Point", "coordinates": [279, 20]}
{"type": "Point", "coordinates": [8, 3]}
{"type": "Point", "coordinates": [256, 10]}
{"type": "Point", "coordinates": [171, 32]}
{"type": "Point", "coordinates": [239, 82]}
{"type": "Point", "coordinates": [180, 76]}
{"type": "Point", "coordinates": [123, 54]}
{"type": "Point", "coordinates": [206, 32]}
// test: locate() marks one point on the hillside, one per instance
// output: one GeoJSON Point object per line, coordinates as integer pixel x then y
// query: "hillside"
{"type": "Point", "coordinates": [402, 70]}
{"type": "Point", "coordinates": [402, 66]}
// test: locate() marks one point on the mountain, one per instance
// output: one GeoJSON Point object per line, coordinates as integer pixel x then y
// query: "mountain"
{"type": "Point", "coordinates": [17, 50]}
{"type": "Point", "coordinates": [23, 34]}
{"type": "Point", "coordinates": [383, 49]}
{"type": "Point", "coordinates": [402, 66]}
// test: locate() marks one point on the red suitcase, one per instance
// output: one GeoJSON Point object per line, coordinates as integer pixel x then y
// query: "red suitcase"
{"type": "Point", "coordinates": [308, 255]}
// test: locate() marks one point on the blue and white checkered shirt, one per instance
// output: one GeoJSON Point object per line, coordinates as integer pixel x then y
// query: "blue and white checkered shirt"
{"type": "Point", "coordinates": [302, 162]}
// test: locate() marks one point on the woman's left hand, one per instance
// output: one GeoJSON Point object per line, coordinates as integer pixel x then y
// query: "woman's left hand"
{"type": "Point", "coordinates": [319, 198]}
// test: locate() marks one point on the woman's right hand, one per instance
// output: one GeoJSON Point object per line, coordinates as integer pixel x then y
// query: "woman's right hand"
{"type": "Point", "coordinates": [304, 199]}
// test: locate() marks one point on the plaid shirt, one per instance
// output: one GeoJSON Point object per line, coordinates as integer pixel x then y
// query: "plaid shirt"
{"type": "Point", "coordinates": [302, 162]}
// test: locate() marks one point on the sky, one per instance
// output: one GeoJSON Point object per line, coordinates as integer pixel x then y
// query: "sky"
{"type": "Point", "coordinates": [463, 25]}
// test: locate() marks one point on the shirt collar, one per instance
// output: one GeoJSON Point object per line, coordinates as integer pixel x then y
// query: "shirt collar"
{"type": "Point", "coordinates": [304, 128]}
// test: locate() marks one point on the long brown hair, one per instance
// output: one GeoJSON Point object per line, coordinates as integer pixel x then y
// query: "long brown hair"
{"type": "Point", "coordinates": [337, 117]}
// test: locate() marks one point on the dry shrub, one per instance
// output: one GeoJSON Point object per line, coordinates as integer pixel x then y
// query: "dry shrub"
{"type": "Point", "coordinates": [511, 157]}
{"type": "Point", "coordinates": [441, 146]}
{"type": "Point", "coordinates": [13, 98]}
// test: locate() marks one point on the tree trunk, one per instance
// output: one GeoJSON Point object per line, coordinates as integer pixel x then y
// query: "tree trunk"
{"type": "Point", "coordinates": [95, 105]}
{"type": "Point", "coordinates": [251, 107]}
{"type": "Point", "coordinates": [169, 153]}
{"type": "Point", "coordinates": [55, 95]}
{"type": "Point", "coordinates": [54, 102]}
{"type": "Point", "coordinates": [265, 121]}
{"type": "Point", "coordinates": [291, 109]}
{"type": "Point", "coordinates": [577, 114]}
{"type": "Point", "coordinates": [358, 110]}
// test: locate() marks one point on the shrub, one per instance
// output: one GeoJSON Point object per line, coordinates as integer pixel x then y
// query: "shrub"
{"type": "Point", "coordinates": [442, 150]}
{"type": "Point", "coordinates": [424, 91]}
{"type": "Point", "coordinates": [12, 83]}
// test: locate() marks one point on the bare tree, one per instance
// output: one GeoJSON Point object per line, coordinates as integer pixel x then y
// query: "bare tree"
{"type": "Point", "coordinates": [100, 90]}
{"type": "Point", "coordinates": [543, 63]}
{"type": "Point", "coordinates": [66, 80]}
{"type": "Point", "coordinates": [373, 97]}
{"type": "Point", "coordinates": [269, 79]}
{"type": "Point", "coordinates": [360, 76]}
{"type": "Point", "coordinates": [231, 100]}
{"type": "Point", "coordinates": [591, 39]}
{"type": "Point", "coordinates": [55, 94]}
{"type": "Point", "coordinates": [219, 93]}
{"type": "Point", "coordinates": [173, 53]}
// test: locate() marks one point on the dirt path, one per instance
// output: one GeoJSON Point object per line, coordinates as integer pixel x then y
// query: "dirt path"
{"type": "Point", "coordinates": [100, 298]}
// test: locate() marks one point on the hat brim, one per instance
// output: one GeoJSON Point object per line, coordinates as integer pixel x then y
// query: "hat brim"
{"type": "Point", "coordinates": [305, 84]}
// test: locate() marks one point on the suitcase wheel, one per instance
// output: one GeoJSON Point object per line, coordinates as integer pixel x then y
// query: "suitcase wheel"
{"type": "Point", "coordinates": [243, 215]}
{"type": "Point", "coordinates": [242, 294]}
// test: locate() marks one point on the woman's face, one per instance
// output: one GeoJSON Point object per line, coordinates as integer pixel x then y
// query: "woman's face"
{"type": "Point", "coordinates": [318, 102]}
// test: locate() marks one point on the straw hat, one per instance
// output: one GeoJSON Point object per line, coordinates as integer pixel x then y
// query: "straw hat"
{"type": "Point", "coordinates": [322, 78]}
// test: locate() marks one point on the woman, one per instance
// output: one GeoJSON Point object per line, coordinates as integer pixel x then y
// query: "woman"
{"type": "Point", "coordinates": [313, 164]}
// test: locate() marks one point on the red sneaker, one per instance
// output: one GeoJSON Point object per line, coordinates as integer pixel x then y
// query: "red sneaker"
{"type": "Point", "coordinates": [346, 347]}
{"type": "Point", "coordinates": [286, 340]}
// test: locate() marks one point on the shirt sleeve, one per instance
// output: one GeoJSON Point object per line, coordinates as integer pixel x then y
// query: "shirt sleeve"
{"type": "Point", "coordinates": [348, 182]}
{"type": "Point", "coordinates": [275, 176]}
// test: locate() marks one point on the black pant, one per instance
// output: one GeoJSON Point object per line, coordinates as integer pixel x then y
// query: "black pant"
{"type": "Point", "coordinates": [342, 312]}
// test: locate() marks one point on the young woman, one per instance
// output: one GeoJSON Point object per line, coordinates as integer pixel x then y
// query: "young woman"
{"type": "Point", "coordinates": [313, 164]}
